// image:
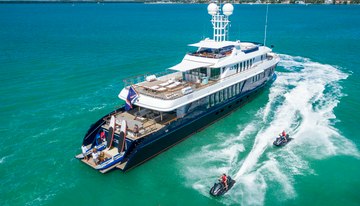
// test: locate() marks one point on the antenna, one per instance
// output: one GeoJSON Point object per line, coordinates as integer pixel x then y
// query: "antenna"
{"type": "Point", "coordinates": [220, 21]}
{"type": "Point", "coordinates": [266, 20]}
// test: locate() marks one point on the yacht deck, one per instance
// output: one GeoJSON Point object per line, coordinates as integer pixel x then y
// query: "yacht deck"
{"type": "Point", "coordinates": [146, 120]}
{"type": "Point", "coordinates": [169, 88]}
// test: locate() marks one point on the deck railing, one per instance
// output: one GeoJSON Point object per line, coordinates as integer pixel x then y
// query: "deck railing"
{"type": "Point", "coordinates": [142, 77]}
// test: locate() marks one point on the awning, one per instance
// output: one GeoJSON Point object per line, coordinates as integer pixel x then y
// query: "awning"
{"type": "Point", "coordinates": [187, 65]}
{"type": "Point", "coordinates": [211, 44]}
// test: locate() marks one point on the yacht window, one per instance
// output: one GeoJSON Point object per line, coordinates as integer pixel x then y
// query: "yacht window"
{"type": "Point", "coordinates": [215, 73]}
{"type": "Point", "coordinates": [203, 71]}
{"type": "Point", "coordinates": [212, 100]}
{"type": "Point", "coordinates": [221, 96]}
{"type": "Point", "coordinates": [230, 92]}
{"type": "Point", "coordinates": [209, 101]}
{"type": "Point", "coordinates": [216, 97]}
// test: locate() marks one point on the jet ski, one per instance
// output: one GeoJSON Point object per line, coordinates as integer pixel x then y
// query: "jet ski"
{"type": "Point", "coordinates": [280, 141]}
{"type": "Point", "coordinates": [219, 188]}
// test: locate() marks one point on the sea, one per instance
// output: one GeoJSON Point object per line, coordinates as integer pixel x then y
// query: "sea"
{"type": "Point", "coordinates": [62, 66]}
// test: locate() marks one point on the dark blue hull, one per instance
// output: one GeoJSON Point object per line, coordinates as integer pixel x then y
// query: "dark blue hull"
{"type": "Point", "coordinates": [141, 150]}
{"type": "Point", "coordinates": [176, 134]}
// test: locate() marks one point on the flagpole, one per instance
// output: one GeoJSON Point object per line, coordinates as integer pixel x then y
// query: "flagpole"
{"type": "Point", "coordinates": [137, 94]}
{"type": "Point", "coordinates": [134, 89]}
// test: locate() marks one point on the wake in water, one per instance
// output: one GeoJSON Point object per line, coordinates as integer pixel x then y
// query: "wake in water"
{"type": "Point", "coordinates": [301, 101]}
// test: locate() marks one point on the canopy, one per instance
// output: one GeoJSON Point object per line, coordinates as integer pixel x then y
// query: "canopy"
{"type": "Point", "coordinates": [187, 65]}
{"type": "Point", "coordinates": [208, 43]}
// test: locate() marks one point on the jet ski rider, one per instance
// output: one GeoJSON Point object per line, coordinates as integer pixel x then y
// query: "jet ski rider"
{"type": "Point", "coordinates": [223, 179]}
{"type": "Point", "coordinates": [283, 135]}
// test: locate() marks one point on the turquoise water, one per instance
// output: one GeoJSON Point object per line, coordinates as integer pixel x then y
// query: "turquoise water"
{"type": "Point", "coordinates": [61, 68]}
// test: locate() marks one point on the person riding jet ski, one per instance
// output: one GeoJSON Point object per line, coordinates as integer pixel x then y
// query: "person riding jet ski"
{"type": "Point", "coordinates": [283, 139]}
{"type": "Point", "coordinates": [223, 185]}
{"type": "Point", "coordinates": [223, 179]}
{"type": "Point", "coordinates": [283, 135]}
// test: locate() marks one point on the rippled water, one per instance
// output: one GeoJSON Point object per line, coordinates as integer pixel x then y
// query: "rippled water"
{"type": "Point", "coordinates": [62, 67]}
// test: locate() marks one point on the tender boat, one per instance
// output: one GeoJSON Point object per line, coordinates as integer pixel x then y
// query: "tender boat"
{"type": "Point", "coordinates": [163, 109]}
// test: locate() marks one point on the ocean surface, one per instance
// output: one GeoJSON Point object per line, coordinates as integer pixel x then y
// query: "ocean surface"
{"type": "Point", "coordinates": [61, 69]}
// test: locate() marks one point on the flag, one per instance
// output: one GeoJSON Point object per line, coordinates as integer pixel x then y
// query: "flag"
{"type": "Point", "coordinates": [131, 98]}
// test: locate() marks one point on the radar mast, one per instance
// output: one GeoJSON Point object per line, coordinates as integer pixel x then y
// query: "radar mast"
{"type": "Point", "coordinates": [220, 21]}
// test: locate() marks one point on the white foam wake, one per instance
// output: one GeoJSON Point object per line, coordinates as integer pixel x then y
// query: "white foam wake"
{"type": "Point", "coordinates": [301, 101]}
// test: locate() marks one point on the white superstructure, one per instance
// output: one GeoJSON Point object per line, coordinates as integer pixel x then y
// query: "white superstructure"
{"type": "Point", "coordinates": [216, 64]}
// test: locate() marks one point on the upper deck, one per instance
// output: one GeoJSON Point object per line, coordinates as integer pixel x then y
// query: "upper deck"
{"type": "Point", "coordinates": [217, 50]}
{"type": "Point", "coordinates": [170, 91]}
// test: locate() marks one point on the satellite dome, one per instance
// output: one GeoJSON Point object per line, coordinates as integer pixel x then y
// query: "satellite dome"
{"type": "Point", "coordinates": [212, 9]}
{"type": "Point", "coordinates": [227, 9]}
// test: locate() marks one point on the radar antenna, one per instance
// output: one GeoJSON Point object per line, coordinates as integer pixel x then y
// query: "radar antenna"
{"type": "Point", "coordinates": [219, 21]}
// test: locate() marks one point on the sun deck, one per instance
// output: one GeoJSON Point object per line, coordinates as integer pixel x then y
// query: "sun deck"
{"type": "Point", "coordinates": [170, 88]}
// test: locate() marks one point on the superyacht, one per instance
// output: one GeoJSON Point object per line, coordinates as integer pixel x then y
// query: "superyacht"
{"type": "Point", "coordinates": [163, 109]}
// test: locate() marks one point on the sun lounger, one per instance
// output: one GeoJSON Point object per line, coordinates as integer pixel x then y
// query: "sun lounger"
{"type": "Point", "coordinates": [175, 84]}
{"type": "Point", "coordinates": [170, 81]}
{"type": "Point", "coordinates": [151, 78]}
